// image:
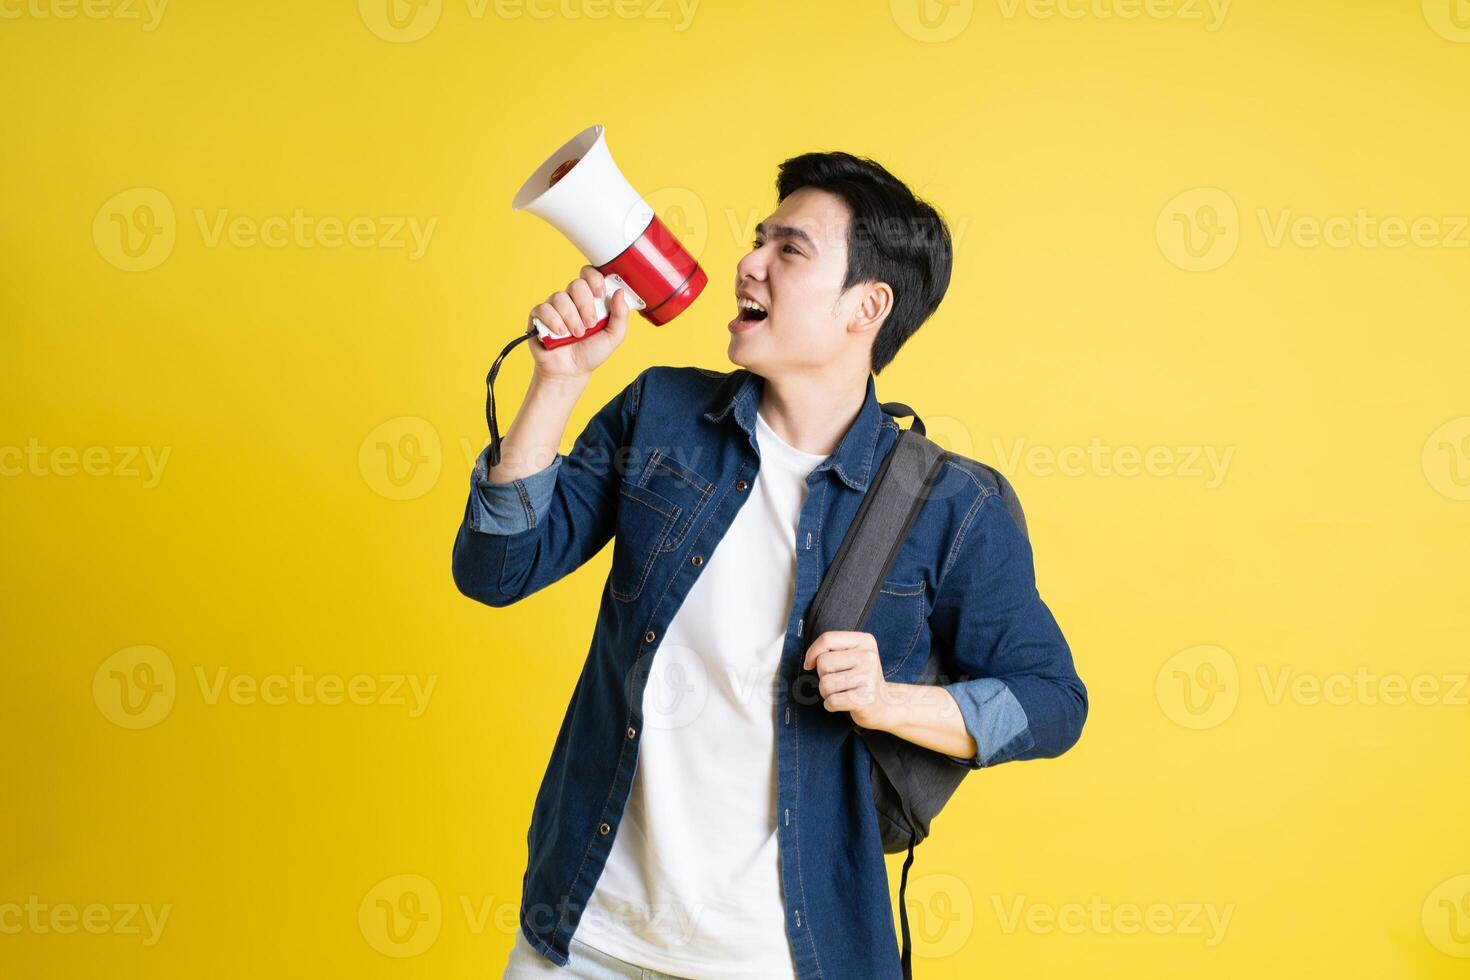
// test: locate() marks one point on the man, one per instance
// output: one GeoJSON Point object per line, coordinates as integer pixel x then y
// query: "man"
{"type": "Point", "coordinates": [707, 811]}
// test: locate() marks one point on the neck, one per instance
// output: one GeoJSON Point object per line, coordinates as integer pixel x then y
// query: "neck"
{"type": "Point", "coordinates": [813, 412]}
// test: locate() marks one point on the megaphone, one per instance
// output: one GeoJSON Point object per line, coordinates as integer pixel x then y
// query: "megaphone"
{"type": "Point", "coordinates": [582, 194]}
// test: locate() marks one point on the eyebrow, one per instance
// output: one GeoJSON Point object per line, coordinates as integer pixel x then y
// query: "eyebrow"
{"type": "Point", "coordinates": [786, 231]}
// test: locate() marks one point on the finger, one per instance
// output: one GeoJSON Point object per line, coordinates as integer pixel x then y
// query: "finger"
{"type": "Point", "coordinates": [841, 639]}
{"type": "Point", "coordinates": [568, 311]}
{"type": "Point", "coordinates": [832, 661]}
{"type": "Point", "coordinates": [859, 695]}
{"type": "Point", "coordinates": [833, 640]}
{"type": "Point", "coordinates": [581, 294]}
{"type": "Point", "coordinates": [617, 315]}
{"type": "Point", "coordinates": [595, 280]}
{"type": "Point", "coordinates": [844, 680]}
{"type": "Point", "coordinates": [547, 314]}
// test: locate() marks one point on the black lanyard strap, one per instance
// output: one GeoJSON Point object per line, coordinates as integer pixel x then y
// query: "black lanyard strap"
{"type": "Point", "coordinates": [490, 399]}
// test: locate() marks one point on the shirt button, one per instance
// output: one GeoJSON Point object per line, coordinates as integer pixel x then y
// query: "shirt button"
{"type": "Point", "coordinates": [697, 560]}
{"type": "Point", "coordinates": [603, 828]}
{"type": "Point", "coordinates": [648, 637]}
{"type": "Point", "coordinates": [741, 484]}
{"type": "Point", "coordinates": [632, 731]}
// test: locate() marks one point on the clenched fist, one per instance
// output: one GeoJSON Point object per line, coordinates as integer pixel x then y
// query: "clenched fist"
{"type": "Point", "coordinates": [851, 676]}
{"type": "Point", "coordinates": [570, 311]}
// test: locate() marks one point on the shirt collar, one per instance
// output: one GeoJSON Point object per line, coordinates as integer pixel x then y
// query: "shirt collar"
{"type": "Point", "coordinates": [852, 460]}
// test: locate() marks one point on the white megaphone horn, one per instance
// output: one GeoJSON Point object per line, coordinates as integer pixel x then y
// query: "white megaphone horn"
{"type": "Point", "coordinates": [582, 194]}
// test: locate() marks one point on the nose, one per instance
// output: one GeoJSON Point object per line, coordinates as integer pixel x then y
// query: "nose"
{"type": "Point", "coordinates": [752, 266]}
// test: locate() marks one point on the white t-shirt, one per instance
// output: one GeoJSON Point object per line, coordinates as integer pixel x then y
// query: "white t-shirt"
{"type": "Point", "coordinates": [692, 885]}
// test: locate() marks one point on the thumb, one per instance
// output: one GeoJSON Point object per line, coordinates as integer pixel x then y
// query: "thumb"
{"type": "Point", "coordinates": [617, 310]}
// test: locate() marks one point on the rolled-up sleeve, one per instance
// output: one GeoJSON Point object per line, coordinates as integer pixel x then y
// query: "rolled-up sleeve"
{"type": "Point", "coordinates": [510, 508]}
{"type": "Point", "coordinates": [994, 719]}
{"type": "Point", "coordinates": [1019, 692]}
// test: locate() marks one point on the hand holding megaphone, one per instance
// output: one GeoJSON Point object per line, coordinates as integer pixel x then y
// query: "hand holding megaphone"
{"type": "Point", "coordinates": [574, 314]}
{"type": "Point", "coordinates": [552, 322]}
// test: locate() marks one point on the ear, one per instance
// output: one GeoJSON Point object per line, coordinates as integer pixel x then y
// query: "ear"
{"type": "Point", "coordinates": [874, 304]}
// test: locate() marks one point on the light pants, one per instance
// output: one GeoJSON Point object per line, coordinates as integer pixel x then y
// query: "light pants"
{"type": "Point", "coordinates": [583, 963]}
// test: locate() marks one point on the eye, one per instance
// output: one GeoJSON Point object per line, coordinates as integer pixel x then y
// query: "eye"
{"type": "Point", "coordinates": [785, 248]}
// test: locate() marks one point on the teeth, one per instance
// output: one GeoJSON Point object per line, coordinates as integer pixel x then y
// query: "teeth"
{"type": "Point", "coordinates": [750, 304]}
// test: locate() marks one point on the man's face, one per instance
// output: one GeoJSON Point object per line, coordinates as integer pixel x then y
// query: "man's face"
{"type": "Point", "coordinates": [795, 270]}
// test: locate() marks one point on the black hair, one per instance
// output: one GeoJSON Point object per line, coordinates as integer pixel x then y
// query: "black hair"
{"type": "Point", "coordinates": [894, 237]}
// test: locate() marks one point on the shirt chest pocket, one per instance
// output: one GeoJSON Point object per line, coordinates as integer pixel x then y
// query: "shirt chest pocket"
{"type": "Point", "coordinates": [898, 621]}
{"type": "Point", "coordinates": [656, 509]}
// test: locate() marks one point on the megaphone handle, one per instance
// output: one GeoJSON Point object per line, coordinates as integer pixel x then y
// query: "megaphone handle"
{"type": "Point", "coordinates": [612, 283]}
{"type": "Point", "coordinates": [551, 342]}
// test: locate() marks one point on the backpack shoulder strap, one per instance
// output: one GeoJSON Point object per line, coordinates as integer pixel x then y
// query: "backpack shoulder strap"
{"type": "Point", "coordinates": [894, 497]}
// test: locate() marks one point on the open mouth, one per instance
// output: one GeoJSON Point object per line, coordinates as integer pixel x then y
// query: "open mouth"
{"type": "Point", "coordinates": [751, 311]}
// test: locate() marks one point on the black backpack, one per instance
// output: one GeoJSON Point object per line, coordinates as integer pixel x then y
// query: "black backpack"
{"type": "Point", "coordinates": [910, 783]}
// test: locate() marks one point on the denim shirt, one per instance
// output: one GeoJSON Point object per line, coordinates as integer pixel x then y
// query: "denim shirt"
{"type": "Point", "coordinates": [661, 471]}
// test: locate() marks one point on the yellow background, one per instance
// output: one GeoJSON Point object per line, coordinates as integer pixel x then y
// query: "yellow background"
{"type": "Point", "coordinates": [1058, 146]}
